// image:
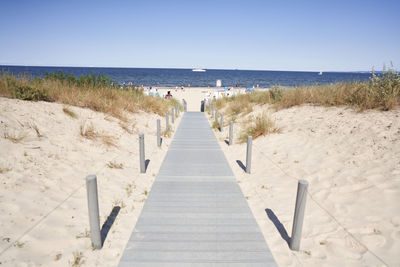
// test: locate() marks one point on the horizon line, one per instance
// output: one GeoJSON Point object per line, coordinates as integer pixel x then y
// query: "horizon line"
{"type": "Point", "coordinates": [183, 68]}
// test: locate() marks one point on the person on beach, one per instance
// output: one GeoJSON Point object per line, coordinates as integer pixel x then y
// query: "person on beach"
{"type": "Point", "coordinates": [168, 95]}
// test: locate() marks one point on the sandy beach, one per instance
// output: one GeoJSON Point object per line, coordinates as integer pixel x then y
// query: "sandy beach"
{"type": "Point", "coordinates": [350, 159]}
{"type": "Point", "coordinates": [194, 95]}
{"type": "Point", "coordinates": [43, 193]}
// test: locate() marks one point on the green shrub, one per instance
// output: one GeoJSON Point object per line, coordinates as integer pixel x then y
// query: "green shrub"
{"type": "Point", "coordinates": [215, 125]}
{"type": "Point", "coordinates": [386, 89]}
{"type": "Point", "coordinates": [276, 94]}
{"type": "Point", "coordinates": [25, 92]}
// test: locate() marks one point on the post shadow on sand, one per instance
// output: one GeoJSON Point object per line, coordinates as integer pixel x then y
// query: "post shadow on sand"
{"type": "Point", "coordinates": [241, 165]}
{"type": "Point", "coordinates": [146, 164]}
{"type": "Point", "coordinates": [279, 226]}
{"type": "Point", "coordinates": [108, 223]}
{"type": "Point", "coordinates": [226, 142]}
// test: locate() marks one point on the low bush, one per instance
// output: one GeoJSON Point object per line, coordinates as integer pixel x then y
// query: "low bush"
{"type": "Point", "coordinates": [25, 92]}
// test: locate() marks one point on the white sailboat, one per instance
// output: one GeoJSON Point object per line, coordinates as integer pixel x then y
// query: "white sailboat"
{"type": "Point", "coordinates": [320, 73]}
{"type": "Point", "coordinates": [199, 70]}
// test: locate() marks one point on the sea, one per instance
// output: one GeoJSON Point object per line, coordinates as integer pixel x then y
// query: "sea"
{"type": "Point", "coordinates": [187, 77]}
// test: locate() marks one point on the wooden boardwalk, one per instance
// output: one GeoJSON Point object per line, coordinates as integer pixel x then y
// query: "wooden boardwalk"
{"type": "Point", "coordinates": [196, 214]}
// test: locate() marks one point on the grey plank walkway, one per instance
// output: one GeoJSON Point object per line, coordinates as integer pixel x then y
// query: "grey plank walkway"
{"type": "Point", "coordinates": [196, 214]}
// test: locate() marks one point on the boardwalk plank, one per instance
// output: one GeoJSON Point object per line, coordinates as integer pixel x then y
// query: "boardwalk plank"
{"type": "Point", "coordinates": [196, 214]}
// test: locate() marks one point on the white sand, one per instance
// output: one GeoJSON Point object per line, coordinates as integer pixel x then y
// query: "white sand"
{"type": "Point", "coordinates": [43, 194]}
{"type": "Point", "coordinates": [352, 162]}
{"type": "Point", "coordinates": [194, 95]}
{"type": "Point", "coordinates": [350, 159]}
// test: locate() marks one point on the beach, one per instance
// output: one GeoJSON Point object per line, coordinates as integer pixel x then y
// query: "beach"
{"type": "Point", "coordinates": [194, 95]}
{"type": "Point", "coordinates": [43, 194]}
{"type": "Point", "coordinates": [351, 161]}
{"type": "Point", "coordinates": [349, 158]}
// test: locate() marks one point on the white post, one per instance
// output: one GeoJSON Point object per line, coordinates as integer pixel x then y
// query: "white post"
{"type": "Point", "coordinates": [222, 123]}
{"type": "Point", "coordinates": [230, 133]}
{"type": "Point", "coordinates": [166, 121]}
{"type": "Point", "coordinates": [158, 132]}
{"type": "Point", "coordinates": [93, 206]}
{"type": "Point", "coordinates": [141, 152]}
{"type": "Point", "coordinates": [248, 154]}
{"type": "Point", "coordinates": [298, 219]}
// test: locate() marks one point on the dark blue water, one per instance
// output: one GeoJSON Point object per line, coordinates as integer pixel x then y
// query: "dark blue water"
{"type": "Point", "coordinates": [184, 77]}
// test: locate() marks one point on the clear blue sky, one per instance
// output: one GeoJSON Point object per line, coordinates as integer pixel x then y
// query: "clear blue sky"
{"type": "Point", "coordinates": [267, 35]}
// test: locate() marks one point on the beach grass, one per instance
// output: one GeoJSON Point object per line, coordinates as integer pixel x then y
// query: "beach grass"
{"type": "Point", "coordinates": [98, 93]}
{"type": "Point", "coordinates": [69, 112]}
{"type": "Point", "coordinates": [13, 136]}
{"type": "Point", "coordinates": [381, 92]}
{"type": "Point", "coordinates": [259, 126]}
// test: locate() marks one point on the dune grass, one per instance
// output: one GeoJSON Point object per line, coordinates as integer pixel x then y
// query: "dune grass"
{"type": "Point", "coordinates": [13, 136]}
{"type": "Point", "coordinates": [115, 165]}
{"type": "Point", "coordinates": [89, 132]}
{"type": "Point", "coordinates": [215, 125]}
{"type": "Point", "coordinates": [69, 112]}
{"type": "Point", "coordinates": [261, 125]}
{"type": "Point", "coordinates": [381, 92]}
{"type": "Point", "coordinates": [98, 93]}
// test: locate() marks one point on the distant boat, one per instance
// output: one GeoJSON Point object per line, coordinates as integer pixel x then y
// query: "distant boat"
{"type": "Point", "coordinates": [320, 73]}
{"type": "Point", "coordinates": [198, 70]}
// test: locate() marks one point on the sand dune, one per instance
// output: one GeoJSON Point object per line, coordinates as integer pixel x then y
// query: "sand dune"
{"type": "Point", "coordinates": [43, 192]}
{"type": "Point", "coordinates": [351, 161]}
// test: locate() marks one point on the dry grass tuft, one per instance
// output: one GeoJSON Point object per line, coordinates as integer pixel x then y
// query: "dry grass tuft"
{"type": "Point", "coordinates": [13, 136]}
{"type": "Point", "coordinates": [262, 125]}
{"type": "Point", "coordinates": [215, 125]}
{"type": "Point", "coordinates": [129, 189]}
{"type": "Point", "coordinates": [88, 131]}
{"type": "Point", "coordinates": [114, 165]}
{"type": "Point", "coordinates": [108, 140]}
{"type": "Point", "coordinates": [70, 113]}
{"type": "Point", "coordinates": [5, 169]}
{"type": "Point", "coordinates": [128, 128]}
{"type": "Point", "coordinates": [36, 129]}
{"type": "Point", "coordinates": [84, 234]}
{"type": "Point", "coordinates": [77, 260]}
{"type": "Point", "coordinates": [167, 133]}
